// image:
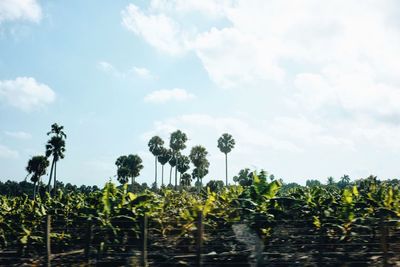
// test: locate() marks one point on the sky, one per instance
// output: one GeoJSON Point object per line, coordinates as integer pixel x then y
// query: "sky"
{"type": "Point", "coordinates": [308, 89]}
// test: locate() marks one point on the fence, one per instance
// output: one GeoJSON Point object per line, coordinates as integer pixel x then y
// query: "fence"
{"type": "Point", "coordinates": [289, 244]}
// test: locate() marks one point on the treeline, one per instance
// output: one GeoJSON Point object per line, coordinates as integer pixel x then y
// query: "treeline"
{"type": "Point", "coordinates": [244, 178]}
{"type": "Point", "coordinates": [13, 188]}
{"type": "Point", "coordinates": [129, 166]}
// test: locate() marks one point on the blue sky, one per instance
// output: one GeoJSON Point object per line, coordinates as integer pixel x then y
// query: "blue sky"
{"type": "Point", "coordinates": [307, 89]}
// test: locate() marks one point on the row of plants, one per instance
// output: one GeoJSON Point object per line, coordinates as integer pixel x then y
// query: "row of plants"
{"type": "Point", "coordinates": [335, 215]}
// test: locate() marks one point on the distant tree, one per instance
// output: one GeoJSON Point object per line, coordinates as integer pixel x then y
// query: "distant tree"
{"type": "Point", "coordinates": [172, 162]}
{"type": "Point", "coordinates": [344, 181]}
{"type": "Point", "coordinates": [155, 145]}
{"type": "Point", "coordinates": [37, 166]}
{"type": "Point", "coordinates": [312, 183]}
{"type": "Point", "coordinates": [123, 175]}
{"type": "Point", "coordinates": [225, 144]}
{"type": "Point", "coordinates": [215, 186]}
{"type": "Point", "coordinates": [163, 158]}
{"type": "Point", "coordinates": [183, 165]}
{"type": "Point", "coordinates": [186, 179]}
{"type": "Point", "coordinates": [244, 177]}
{"type": "Point", "coordinates": [198, 156]}
{"type": "Point", "coordinates": [330, 181]}
{"type": "Point", "coordinates": [128, 166]}
{"type": "Point", "coordinates": [200, 173]}
{"type": "Point", "coordinates": [289, 186]}
{"type": "Point", "coordinates": [55, 147]}
{"type": "Point", "coordinates": [177, 143]}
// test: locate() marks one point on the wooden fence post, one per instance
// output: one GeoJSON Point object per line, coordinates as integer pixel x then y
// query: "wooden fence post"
{"type": "Point", "coordinates": [383, 241]}
{"type": "Point", "coordinates": [199, 238]}
{"type": "Point", "coordinates": [47, 238]}
{"type": "Point", "coordinates": [144, 240]}
{"type": "Point", "coordinates": [88, 239]}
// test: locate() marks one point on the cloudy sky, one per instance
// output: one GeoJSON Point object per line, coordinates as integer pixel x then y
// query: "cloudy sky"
{"type": "Point", "coordinates": [309, 89]}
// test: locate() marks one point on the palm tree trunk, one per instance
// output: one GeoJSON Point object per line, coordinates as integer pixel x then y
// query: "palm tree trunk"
{"type": "Point", "coordinates": [176, 174]}
{"type": "Point", "coordinates": [170, 176]}
{"type": "Point", "coordinates": [155, 182]}
{"type": "Point", "coordinates": [162, 175]}
{"type": "Point", "coordinates": [55, 178]}
{"type": "Point", "coordinates": [51, 175]}
{"type": "Point", "coordinates": [226, 168]}
{"type": "Point", "coordinates": [34, 190]}
{"type": "Point", "coordinates": [132, 184]}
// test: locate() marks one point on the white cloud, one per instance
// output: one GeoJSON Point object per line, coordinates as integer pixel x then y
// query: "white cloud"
{"type": "Point", "coordinates": [106, 66]}
{"type": "Point", "coordinates": [209, 8]}
{"type": "Point", "coordinates": [141, 72]}
{"type": "Point", "coordinates": [165, 95]}
{"type": "Point", "coordinates": [12, 10]}
{"type": "Point", "coordinates": [8, 153]}
{"type": "Point", "coordinates": [159, 30]}
{"type": "Point", "coordinates": [25, 93]}
{"type": "Point", "coordinates": [259, 43]}
{"type": "Point", "coordinates": [19, 135]}
{"type": "Point", "coordinates": [324, 74]}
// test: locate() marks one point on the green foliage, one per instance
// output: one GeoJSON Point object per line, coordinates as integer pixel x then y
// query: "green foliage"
{"type": "Point", "coordinates": [128, 166]}
{"type": "Point", "coordinates": [226, 143]}
{"type": "Point", "coordinates": [337, 215]}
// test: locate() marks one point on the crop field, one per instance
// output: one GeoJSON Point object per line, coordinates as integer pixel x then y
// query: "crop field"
{"type": "Point", "coordinates": [260, 223]}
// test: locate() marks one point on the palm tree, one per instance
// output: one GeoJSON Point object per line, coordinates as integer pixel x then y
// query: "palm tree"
{"type": "Point", "coordinates": [344, 181]}
{"type": "Point", "coordinates": [183, 165]}
{"type": "Point", "coordinates": [331, 181]}
{"type": "Point", "coordinates": [37, 166]}
{"type": "Point", "coordinates": [128, 166]}
{"type": "Point", "coordinates": [226, 143]}
{"type": "Point", "coordinates": [55, 147]}
{"type": "Point", "coordinates": [172, 162]}
{"type": "Point", "coordinates": [198, 156]}
{"type": "Point", "coordinates": [57, 131]}
{"type": "Point", "coordinates": [122, 170]}
{"type": "Point", "coordinates": [186, 179]}
{"type": "Point", "coordinates": [177, 143]}
{"type": "Point", "coordinates": [123, 175]}
{"type": "Point", "coordinates": [134, 164]}
{"type": "Point", "coordinates": [163, 158]}
{"type": "Point", "coordinates": [155, 145]}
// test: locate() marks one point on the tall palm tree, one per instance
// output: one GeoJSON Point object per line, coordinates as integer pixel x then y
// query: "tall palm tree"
{"type": "Point", "coordinates": [177, 143]}
{"type": "Point", "coordinates": [163, 158]}
{"type": "Point", "coordinates": [57, 130]}
{"type": "Point", "coordinates": [172, 162]}
{"type": "Point", "coordinates": [155, 145]}
{"type": "Point", "coordinates": [55, 147]}
{"type": "Point", "coordinates": [37, 166]}
{"type": "Point", "coordinates": [225, 144]}
{"type": "Point", "coordinates": [183, 165]}
{"type": "Point", "coordinates": [198, 156]}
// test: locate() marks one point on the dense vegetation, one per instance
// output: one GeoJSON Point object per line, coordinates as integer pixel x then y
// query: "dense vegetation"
{"type": "Point", "coordinates": [305, 225]}
{"type": "Point", "coordinates": [338, 217]}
